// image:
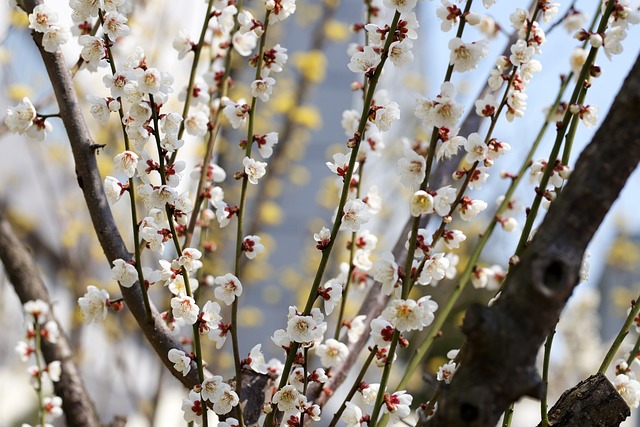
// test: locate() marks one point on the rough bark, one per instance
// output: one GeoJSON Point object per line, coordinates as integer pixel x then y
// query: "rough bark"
{"type": "Point", "coordinates": [593, 402]}
{"type": "Point", "coordinates": [498, 366]}
{"type": "Point", "coordinates": [23, 274]}
{"type": "Point", "coordinates": [90, 181]}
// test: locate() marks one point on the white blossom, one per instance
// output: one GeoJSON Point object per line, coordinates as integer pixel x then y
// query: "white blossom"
{"type": "Point", "coordinates": [94, 305]}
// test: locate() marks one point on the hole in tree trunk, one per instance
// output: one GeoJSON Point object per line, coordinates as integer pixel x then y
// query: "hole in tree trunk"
{"type": "Point", "coordinates": [554, 275]}
{"type": "Point", "coordinates": [468, 412]}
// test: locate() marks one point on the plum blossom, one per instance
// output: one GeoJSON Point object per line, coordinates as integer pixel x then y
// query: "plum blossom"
{"type": "Point", "coordinates": [629, 389]}
{"type": "Point", "coordinates": [94, 305]}
{"type": "Point", "coordinates": [400, 53]}
{"type": "Point", "coordinates": [382, 332]}
{"type": "Point", "coordinates": [262, 88]}
{"type": "Point", "coordinates": [181, 362]}
{"type": "Point", "coordinates": [183, 43]}
{"type": "Point", "coordinates": [407, 315]}
{"type": "Point", "coordinates": [421, 203]}
{"type": "Point", "coordinates": [197, 124]}
{"type": "Point", "coordinates": [115, 25]}
{"type": "Point", "coordinates": [42, 17]}
{"type": "Point", "coordinates": [352, 415]}
{"type": "Point", "coordinates": [411, 169]}
{"type": "Point", "coordinates": [476, 149]}
{"type": "Point", "coordinates": [251, 246]}
{"type": "Point", "coordinates": [397, 405]}
{"type": "Point", "coordinates": [469, 208]}
{"type": "Point", "coordinates": [126, 163]}
{"type": "Point", "coordinates": [340, 164]}
{"type": "Point", "coordinates": [288, 399]}
{"type": "Point", "coordinates": [184, 307]}
{"type": "Point", "coordinates": [20, 117]}
{"type": "Point", "coordinates": [305, 329]}
{"type": "Point", "coordinates": [466, 56]}
{"type": "Point", "coordinates": [435, 268]}
{"type": "Point", "coordinates": [55, 36]}
{"type": "Point", "coordinates": [124, 272]}
{"type": "Point", "coordinates": [265, 143]}
{"type": "Point", "coordinates": [254, 169]}
{"type": "Point", "coordinates": [364, 60]}
{"type": "Point", "coordinates": [384, 116]}
{"type": "Point", "coordinates": [443, 199]}
{"type": "Point", "coordinates": [332, 353]}
{"type": "Point", "coordinates": [228, 288]}
{"type": "Point", "coordinates": [355, 213]}
{"type": "Point", "coordinates": [192, 407]}
{"type": "Point", "coordinates": [385, 271]}
{"type": "Point", "coordinates": [402, 6]}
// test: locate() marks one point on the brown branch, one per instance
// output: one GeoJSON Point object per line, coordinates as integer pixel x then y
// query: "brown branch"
{"type": "Point", "coordinates": [593, 402]}
{"type": "Point", "coordinates": [23, 274]}
{"type": "Point", "coordinates": [90, 181]}
{"type": "Point", "coordinates": [502, 341]}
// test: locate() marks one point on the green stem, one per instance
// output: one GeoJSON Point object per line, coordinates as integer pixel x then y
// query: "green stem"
{"type": "Point", "coordinates": [634, 352]}
{"type": "Point", "coordinates": [241, 213]}
{"type": "Point", "coordinates": [213, 135]}
{"type": "Point", "coordinates": [584, 73]}
{"type": "Point", "coordinates": [194, 66]}
{"type": "Point", "coordinates": [42, 415]}
{"type": "Point", "coordinates": [352, 251]}
{"type": "Point", "coordinates": [384, 380]}
{"type": "Point", "coordinates": [354, 387]}
{"type": "Point", "coordinates": [465, 276]}
{"type": "Point", "coordinates": [326, 252]}
{"type": "Point", "coordinates": [617, 342]}
{"type": "Point", "coordinates": [508, 415]}
{"type": "Point", "coordinates": [131, 191]}
{"type": "Point", "coordinates": [545, 378]}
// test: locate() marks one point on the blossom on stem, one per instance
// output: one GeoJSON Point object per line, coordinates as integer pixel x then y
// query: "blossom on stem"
{"type": "Point", "coordinates": [94, 304]}
{"type": "Point", "coordinates": [354, 214]}
{"type": "Point", "coordinates": [251, 246]}
{"type": "Point", "coordinates": [421, 203]}
{"type": "Point", "coordinates": [20, 117]}
{"type": "Point", "coordinates": [181, 362]}
{"type": "Point", "coordinates": [262, 88]}
{"type": "Point", "coordinates": [184, 307]}
{"type": "Point", "coordinates": [385, 271]}
{"type": "Point", "coordinates": [397, 405]}
{"type": "Point", "coordinates": [402, 6]}
{"type": "Point", "coordinates": [466, 56]}
{"type": "Point", "coordinates": [412, 169]}
{"type": "Point", "coordinates": [254, 169]}
{"type": "Point", "coordinates": [265, 143]}
{"type": "Point", "coordinates": [124, 272]}
{"type": "Point", "coordinates": [340, 165]}
{"type": "Point", "coordinates": [332, 353]}
{"type": "Point", "coordinates": [229, 287]}
{"type": "Point", "coordinates": [407, 315]}
{"type": "Point", "coordinates": [305, 329]}
{"type": "Point", "coordinates": [364, 60]}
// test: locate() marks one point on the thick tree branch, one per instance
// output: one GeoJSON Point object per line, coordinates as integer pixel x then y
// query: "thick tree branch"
{"type": "Point", "coordinates": [90, 182]}
{"type": "Point", "coordinates": [498, 366]}
{"type": "Point", "coordinates": [593, 402]}
{"type": "Point", "coordinates": [23, 274]}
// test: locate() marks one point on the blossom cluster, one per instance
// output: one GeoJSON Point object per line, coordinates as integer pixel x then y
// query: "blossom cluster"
{"type": "Point", "coordinates": [165, 212]}
{"type": "Point", "coordinates": [39, 329]}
